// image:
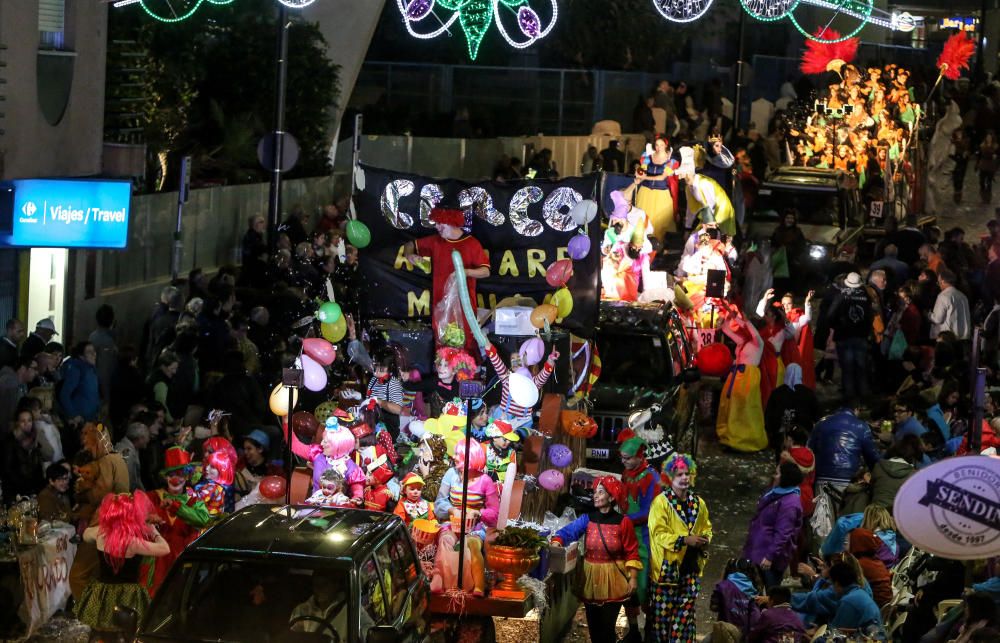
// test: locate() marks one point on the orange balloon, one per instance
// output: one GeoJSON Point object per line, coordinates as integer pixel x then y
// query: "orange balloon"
{"type": "Point", "coordinates": [543, 313]}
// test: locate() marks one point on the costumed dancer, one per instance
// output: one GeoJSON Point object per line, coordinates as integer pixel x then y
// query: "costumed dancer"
{"type": "Point", "coordinates": [706, 200]}
{"type": "Point", "coordinates": [635, 236]}
{"type": "Point", "coordinates": [411, 505]}
{"type": "Point", "coordinates": [331, 491]}
{"type": "Point", "coordinates": [482, 509]}
{"type": "Point", "coordinates": [499, 452]}
{"type": "Point", "coordinates": [781, 336]}
{"type": "Point", "coordinates": [217, 477]}
{"type": "Point", "coordinates": [679, 532]}
{"type": "Point", "coordinates": [454, 228]}
{"type": "Point", "coordinates": [611, 563]}
{"type": "Point", "coordinates": [641, 485]}
{"type": "Point", "coordinates": [719, 162]}
{"type": "Point", "coordinates": [123, 538]}
{"type": "Point", "coordinates": [740, 422]}
{"type": "Point", "coordinates": [658, 192]}
{"type": "Point", "coordinates": [179, 513]}
{"type": "Point", "coordinates": [333, 451]}
{"type": "Point", "coordinates": [518, 416]}
{"type": "Point", "coordinates": [799, 319]}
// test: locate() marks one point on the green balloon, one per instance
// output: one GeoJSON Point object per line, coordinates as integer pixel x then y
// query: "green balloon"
{"type": "Point", "coordinates": [329, 312]}
{"type": "Point", "coordinates": [358, 234]}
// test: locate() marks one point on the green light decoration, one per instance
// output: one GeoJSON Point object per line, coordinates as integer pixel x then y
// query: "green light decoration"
{"type": "Point", "coordinates": [170, 11]}
{"type": "Point", "coordinates": [769, 10]}
{"type": "Point", "coordinates": [861, 10]}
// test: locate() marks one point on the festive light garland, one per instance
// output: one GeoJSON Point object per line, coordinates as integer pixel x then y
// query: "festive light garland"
{"type": "Point", "coordinates": [682, 10]}
{"type": "Point", "coordinates": [475, 18]}
{"type": "Point", "coordinates": [769, 10]}
{"type": "Point", "coordinates": [859, 9]}
{"type": "Point", "coordinates": [191, 7]}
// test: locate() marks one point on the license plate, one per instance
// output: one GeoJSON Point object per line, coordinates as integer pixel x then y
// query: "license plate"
{"type": "Point", "coordinates": [599, 454]}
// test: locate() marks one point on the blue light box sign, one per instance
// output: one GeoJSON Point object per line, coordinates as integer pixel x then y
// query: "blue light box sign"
{"type": "Point", "coordinates": [62, 213]}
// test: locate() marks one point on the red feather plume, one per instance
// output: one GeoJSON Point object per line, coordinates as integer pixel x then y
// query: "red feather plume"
{"type": "Point", "coordinates": [819, 55]}
{"type": "Point", "coordinates": [958, 49]}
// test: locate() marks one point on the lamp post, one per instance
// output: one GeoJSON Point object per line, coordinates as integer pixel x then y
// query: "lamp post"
{"type": "Point", "coordinates": [277, 135]}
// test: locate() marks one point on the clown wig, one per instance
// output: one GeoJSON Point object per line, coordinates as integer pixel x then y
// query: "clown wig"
{"type": "Point", "coordinates": [459, 361]}
{"type": "Point", "coordinates": [219, 444]}
{"type": "Point", "coordinates": [122, 520]}
{"type": "Point", "coordinates": [219, 460]}
{"type": "Point", "coordinates": [477, 457]}
{"type": "Point", "coordinates": [340, 441]}
{"type": "Point", "coordinates": [675, 462]}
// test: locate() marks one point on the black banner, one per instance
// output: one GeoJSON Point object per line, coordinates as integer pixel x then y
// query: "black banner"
{"type": "Point", "coordinates": [523, 225]}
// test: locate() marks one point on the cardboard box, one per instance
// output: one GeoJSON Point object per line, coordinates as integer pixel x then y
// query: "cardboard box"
{"type": "Point", "coordinates": [514, 320]}
{"type": "Point", "coordinates": [562, 560]}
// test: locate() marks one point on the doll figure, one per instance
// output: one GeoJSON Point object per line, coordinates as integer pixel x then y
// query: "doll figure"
{"type": "Point", "coordinates": [452, 366]}
{"type": "Point", "coordinates": [499, 452]}
{"type": "Point", "coordinates": [411, 505]}
{"type": "Point", "coordinates": [217, 477]}
{"type": "Point", "coordinates": [432, 464]}
{"type": "Point", "coordinates": [377, 496]}
{"type": "Point", "coordinates": [333, 452]}
{"type": "Point", "coordinates": [331, 491]}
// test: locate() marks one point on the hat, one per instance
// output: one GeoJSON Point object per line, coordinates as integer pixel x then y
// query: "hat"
{"type": "Point", "coordinates": [632, 447]}
{"type": "Point", "coordinates": [615, 489]}
{"type": "Point", "coordinates": [46, 324]}
{"type": "Point", "coordinates": [361, 430]}
{"type": "Point", "coordinates": [502, 429]}
{"type": "Point", "coordinates": [621, 205]}
{"type": "Point", "coordinates": [853, 280]}
{"type": "Point", "coordinates": [177, 458]}
{"type": "Point", "coordinates": [411, 479]}
{"type": "Point", "coordinates": [343, 415]}
{"type": "Point", "coordinates": [259, 437]}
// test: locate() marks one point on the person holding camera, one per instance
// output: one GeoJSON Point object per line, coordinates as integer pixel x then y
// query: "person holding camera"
{"type": "Point", "coordinates": [679, 533]}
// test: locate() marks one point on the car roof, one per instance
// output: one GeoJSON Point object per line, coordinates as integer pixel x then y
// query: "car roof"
{"type": "Point", "coordinates": [805, 177]}
{"type": "Point", "coordinates": [295, 532]}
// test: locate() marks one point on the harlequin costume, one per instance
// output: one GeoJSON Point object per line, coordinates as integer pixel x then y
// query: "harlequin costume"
{"type": "Point", "coordinates": [410, 511]}
{"type": "Point", "coordinates": [740, 420]}
{"type": "Point", "coordinates": [641, 485]}
{"type": "Point", "coordinates": [183, 517]}
{"type": "Point", "coordinates": [674, 589]}
{"type": "Point", "coordinates": [610, 548]}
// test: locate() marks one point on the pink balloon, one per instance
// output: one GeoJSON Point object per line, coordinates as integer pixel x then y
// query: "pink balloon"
{"type": "Point", "coordinates": [552, 480]}
{"type": "Point", "coordinates": [524, 371]}
{"type": "Point", "coordinates": [532, 351]}
{"type": "Point", "coordinates": [320, 350]}
{"type": "Point", "coordinates": [559, 273]}
{"type": "Point", "coordinates": [313, 375]}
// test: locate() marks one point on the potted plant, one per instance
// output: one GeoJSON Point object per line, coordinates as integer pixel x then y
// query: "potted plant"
{"type": "Point", "coordinates": [511, 555]}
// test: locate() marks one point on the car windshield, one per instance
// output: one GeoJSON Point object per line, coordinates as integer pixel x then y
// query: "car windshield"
{"type": "Point", "coordinates": [815, 206]}
{"type": "Point", "coordinates": [632, 358]}
{"type": "Point", "coordinates": [252, 601]}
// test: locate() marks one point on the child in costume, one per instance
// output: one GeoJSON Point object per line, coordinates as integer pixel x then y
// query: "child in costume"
{"type": "Point", "coordinates": [412, 506]}
{"type": "Point", "coordinates": [378, 497]}
{"type": "Point", "coordinates": [333, 452]}
{"type": "Point", "coordinates": [217, 477]}
{"type": "Point", "coordinates": [518, 416]}
{"type": "Point", "coordinates": [499, 452]}
{"type": "Point", "coordinates": [331, 491]}
{"type": "Point", "coordinates": [180, 514]}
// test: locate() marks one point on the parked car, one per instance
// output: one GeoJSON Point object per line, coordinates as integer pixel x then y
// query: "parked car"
{"type": "Point", "coordinates": [292, 573]}
{"type": "Point", "coordinates": [830, 217]}
{"type": "Point", "coordinates": [645, 357]}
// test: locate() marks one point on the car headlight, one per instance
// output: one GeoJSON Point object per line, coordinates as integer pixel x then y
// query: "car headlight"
{"type": "Point", "coordinates": [818, 252]}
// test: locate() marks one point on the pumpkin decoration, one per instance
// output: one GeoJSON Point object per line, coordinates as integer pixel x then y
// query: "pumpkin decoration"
{"type": "Point", "coordinates": [578, 424]}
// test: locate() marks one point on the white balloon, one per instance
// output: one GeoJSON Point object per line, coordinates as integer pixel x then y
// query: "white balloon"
{"type": "Point", "coordinates": [583, 212]}
{"type": "Point", "coordinates": [416, 428]}
{"type": "Point", "coordinates": [522, 390]}
{"type": "Point", "coordinates": [359, 178]}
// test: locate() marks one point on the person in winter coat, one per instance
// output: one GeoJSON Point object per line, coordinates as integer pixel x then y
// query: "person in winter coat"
{"type": "Point", "coordinates": [778, 623]}
{"type": "Point", "coordinates": [865, 545]}
{"type": "Point", "coordinates": [774, 530]}
{"type": "Point", "coordinates": [841, 442]}
{"type": "Point", "coordinates": [80, 395]}
{"type": "Point", "coordinates": [734, 597]}
{"type": "Point", "coordinates": [790, 404]}
{"type": "Point", "coordinates": [797, 452]}
{"type": "Point", "coordinates": [889, 474]}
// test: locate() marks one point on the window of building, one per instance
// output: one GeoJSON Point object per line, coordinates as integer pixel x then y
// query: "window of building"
{"type": "Point", "coordinates": [51, 24]}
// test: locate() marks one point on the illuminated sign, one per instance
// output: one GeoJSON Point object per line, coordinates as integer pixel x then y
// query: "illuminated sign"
{"type": "Point", "coordinates": [60, 213]}
{"type": "Point", "coordinates": [964, 23]}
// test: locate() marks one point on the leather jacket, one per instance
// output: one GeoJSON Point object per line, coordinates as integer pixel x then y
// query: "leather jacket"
{"type": "Point", "coordinates": [841, 442]}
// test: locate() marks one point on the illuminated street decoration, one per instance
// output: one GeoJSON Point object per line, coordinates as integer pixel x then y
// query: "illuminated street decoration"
{"type": "Point", "coordinates": [170, 10]}
{"type": "Point", "coordinates": [860, 10]}
{"type": "Point", "coordinates": [475, 18]}
{"type": "Point", "coordinates": [682, 10]}
{"type": "Point", "coordinates": [769, 10]}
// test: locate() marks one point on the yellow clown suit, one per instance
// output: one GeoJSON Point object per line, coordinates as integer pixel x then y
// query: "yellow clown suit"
{"type": "Point", "coordinates": [705, 197]}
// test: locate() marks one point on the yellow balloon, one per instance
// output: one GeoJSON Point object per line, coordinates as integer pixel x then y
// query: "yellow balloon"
{"type": "Point", "coordinates": [562, 299]}
{"type": "Point", "coordinates": [278, 402]}
{"type": "Point", "coordinates": [334, 332]}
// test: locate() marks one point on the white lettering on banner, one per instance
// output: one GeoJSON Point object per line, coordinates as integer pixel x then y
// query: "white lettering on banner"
{"type": "Point", "coordinates": [70, 215]}
{"type": "Point", "coordinates": [45, 576]}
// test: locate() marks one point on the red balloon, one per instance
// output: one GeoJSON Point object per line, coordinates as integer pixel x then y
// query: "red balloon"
{"type": "Point", "coordinates": [305, 426]}
{"type": "Point", "coordinates": [320, 350]}
{"type": "Point", "coordinates": [559, 273]}
{"type": "Point", "coordinates": [714, 360]}
{"type": "Point", "coordinates": [272, 487]}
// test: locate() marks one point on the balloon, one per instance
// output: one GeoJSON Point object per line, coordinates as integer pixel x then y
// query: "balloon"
{"type": "Point", "coordinates": [305, 426]}
{"type": "Point", "coordinates": [562, 299]}
{"type": "Point", "coordinates": [544, 313]}
{"type": "Point", "coordinates": [334, 332]}
{"type": "Point", "coordinates": [532, 351]}
{"type": "Point", "coordinates": [560, 455]}
{"type": "Point", "coordinates": [358, 234]}
{"type": "Point", "coordinates": [359, 178]}
{"type": "Point", "coordinates": [278, 402]}
{"type": "Point", "coordinates": [524, 371]}
{"type": "Point", "coordinates": [272, 487]}
{"type": "Point", "coordinates": [313, 375]}
{"type": "Point", "coordinates": [320, 350]}
{"type": "Point", "coordinates": [550, 479]}
{"type": "Point", "coordinates": [324, 411]}
{"type": "Point", "coordinates": [329, 312]}
{"type": "Point", "coordinates": [714, 360]}
{"type": "Point", "coordinates": [559, 273]}
{"type": "Point", "coordinates": [583, 212]}
{"type": "Point", "coordinates": [579, 246]}
{"type": "Point", "coordinates": [522, 390]}
{"type": "Point", "coordinates": [416, 428]}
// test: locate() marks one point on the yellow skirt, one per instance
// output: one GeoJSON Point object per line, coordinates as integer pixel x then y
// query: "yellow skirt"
{"type": "Point", "coordinates": [659, 205]}
{"type": "Point", "coordinates": [605, 582]}
{"type": "Point", "coordinates": [740, 423]}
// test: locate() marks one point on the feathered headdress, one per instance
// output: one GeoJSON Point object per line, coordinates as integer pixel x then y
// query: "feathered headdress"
{"type": "Point", "coordinates": [821, 57]}
{"type": "Point", "coordinates": [958, 49]}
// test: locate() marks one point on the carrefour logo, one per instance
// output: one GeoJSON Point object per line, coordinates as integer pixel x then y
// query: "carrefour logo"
{"type": "Point", "coordinates": [29, 209]}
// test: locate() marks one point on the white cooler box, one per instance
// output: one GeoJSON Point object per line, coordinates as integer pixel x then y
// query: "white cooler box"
{"type": "Point", "coordinates": [514, 320]}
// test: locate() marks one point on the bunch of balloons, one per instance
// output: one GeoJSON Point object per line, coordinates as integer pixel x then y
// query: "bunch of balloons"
{"type": "Point", "coordinates": [558, 274]}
